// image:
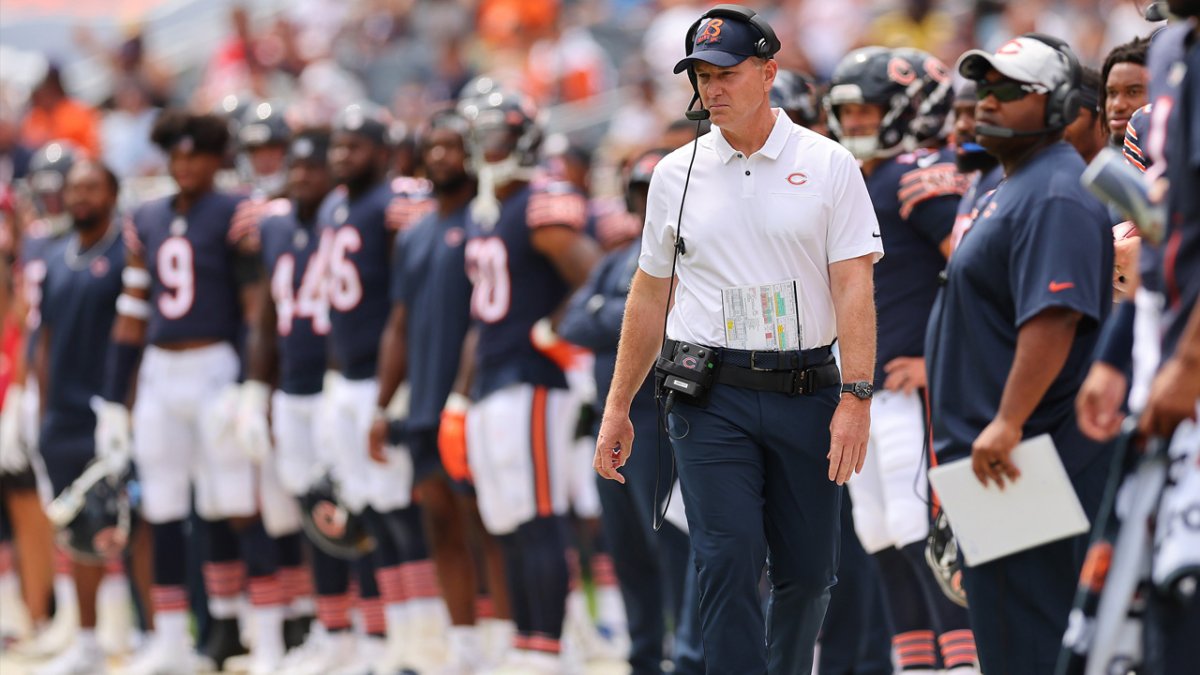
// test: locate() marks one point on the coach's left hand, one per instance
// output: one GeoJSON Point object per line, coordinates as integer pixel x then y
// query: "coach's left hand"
{"type": "Point", "coordinates": [991, 454]}
{"type": "Point", "coordinates": [848, 433]}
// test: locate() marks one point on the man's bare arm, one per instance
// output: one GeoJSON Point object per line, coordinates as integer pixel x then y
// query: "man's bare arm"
{"type": "Point", "coordinates": [852, 286]}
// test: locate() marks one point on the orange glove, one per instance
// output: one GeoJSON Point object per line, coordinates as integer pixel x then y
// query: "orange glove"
{"type": "Point", "coordinates": [452, 438]}
{"type": "Point", "coordinates": [558, 350]}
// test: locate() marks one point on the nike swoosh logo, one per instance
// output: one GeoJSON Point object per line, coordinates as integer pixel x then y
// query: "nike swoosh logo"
{"type": "Point", "coordinates": [874, 234]}
{"type": "Point", "coordinates": [1056, 286]}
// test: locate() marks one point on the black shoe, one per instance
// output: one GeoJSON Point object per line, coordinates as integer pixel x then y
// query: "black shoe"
{"type": "Point", "coordinates": [224, 641]}
{"type": "Point", "coordinates": [295, 631]}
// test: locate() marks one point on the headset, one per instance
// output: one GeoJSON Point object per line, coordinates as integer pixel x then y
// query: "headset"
{"type": "Point", "coordinates": [767, 46]}
{"type": "Point", "coordinates": [1062, 103]}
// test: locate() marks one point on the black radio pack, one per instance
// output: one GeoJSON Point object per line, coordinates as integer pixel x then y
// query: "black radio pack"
{"type": "Point", "coordinates": [687, 370]}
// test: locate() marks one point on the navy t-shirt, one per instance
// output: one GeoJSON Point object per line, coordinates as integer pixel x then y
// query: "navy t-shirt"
{"type": "Point", "coordinates": [289, 251]}
{"type": "Point", "coordinates": [356, 236]}
{"type": "Point", "coordinates": [39, 239]}
{"type": "Point", "coordinates": [79, 307]}
{"type": "Point", "coordinates": [1181, 247]}
{"type": "Point", "coordinates": [1040, 241]}
{"type": "Point", "coordinates": [190, 257]}
{"type": "Point", "coordinates": [430, 279]}
{"type": "Point", "coordinates": [515, 285]}
{"type": "Point", "coordinates": [916, 196]}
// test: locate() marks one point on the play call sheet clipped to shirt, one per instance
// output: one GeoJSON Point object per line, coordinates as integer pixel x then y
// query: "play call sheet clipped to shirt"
{"type": "Point", "coordinates": [762, 318]}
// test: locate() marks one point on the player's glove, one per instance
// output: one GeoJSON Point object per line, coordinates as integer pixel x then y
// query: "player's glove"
{"type": "Point", "coordinates": [252, 429]}
{"type": "Point", "coordinates": [553, 347]}
{"type": "Point", "coordinates": [12, 451]}
{"type": "Point", "coordinates": [114, 445]}
{"type": "Point", "coordinates": [452, 438]}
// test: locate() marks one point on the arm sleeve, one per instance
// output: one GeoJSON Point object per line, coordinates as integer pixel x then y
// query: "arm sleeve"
{"type": "Point", "coordinates": [934, 218]}
{"type": "Point", "coordinates": [1115, 344]}
{"type": "Point", "coordinates": [658, 234]}
{"type": "Point", "coordinates": [1058, 259]}
{"type": "Point", "coordinates": [593, 316]}
{"type": "Point", "coordinates": [853, 230]}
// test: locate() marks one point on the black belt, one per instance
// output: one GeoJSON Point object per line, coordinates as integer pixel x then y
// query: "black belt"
{"type": "Point", "coordinates": [792, 372]}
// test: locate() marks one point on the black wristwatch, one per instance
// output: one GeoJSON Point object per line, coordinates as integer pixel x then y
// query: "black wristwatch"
{"type": "Point", "coordinates": [861, 389]}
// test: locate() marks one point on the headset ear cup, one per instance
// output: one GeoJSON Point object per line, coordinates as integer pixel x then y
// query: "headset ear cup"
{"type": "Point", "coordinates": [1070, 109]}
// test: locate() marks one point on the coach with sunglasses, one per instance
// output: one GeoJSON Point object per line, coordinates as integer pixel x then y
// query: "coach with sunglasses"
{"type": "Point", "coordinates": [759, 216]}
{"type": "Point", "coordinates": [1012, 333]}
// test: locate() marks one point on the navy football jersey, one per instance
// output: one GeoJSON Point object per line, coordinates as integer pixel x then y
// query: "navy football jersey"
{"type": "Point", "coordinates": [1181, 246]}
{"type": "Point", "coordinates": [515, 285]}
{"type": "Point", "coordinates": [190, 257]}
{"type": "Point", "coordinates": [79, 307]}
{"type": "Point", "coordinates": [355, 240]}
{"type": "Point", "coordinates": [431, 281]}
{"type": "Point", "coordinates": [1040, 241]}
{"type": "Point", "coordinates": [979, 185]}
{"type": "Point", "coordinates": [39, 239]}
{"type": "Point", "coordinates": [298, 290]}
{"type": "Point", "coordinates": [916, 197]}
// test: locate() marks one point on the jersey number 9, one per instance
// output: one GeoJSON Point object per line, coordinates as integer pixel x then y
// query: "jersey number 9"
{"type": "Point", "coordinates": [177, 272]}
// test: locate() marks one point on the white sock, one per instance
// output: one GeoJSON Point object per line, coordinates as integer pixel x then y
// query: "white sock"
{"type": "Point", "coordinates": [610, 605]}
{"type": "Point", "coordinates": [64, 592]}
{"type": "Point", "coordinates": [397, 616]}
{"type": "Point", "coordinates": [86, 638]}
{"type": "Point", "coordinates": [268, 630]}
{"type": "Point", "coordinates": [171, 626]}
{"type": "Point", "coordinates": [463, 645]}
{"type": "Point", "coordinates": [223, 608]}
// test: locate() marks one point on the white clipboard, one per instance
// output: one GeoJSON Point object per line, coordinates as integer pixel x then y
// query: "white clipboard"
{"type": "Point", "coordinates": [990, 523]}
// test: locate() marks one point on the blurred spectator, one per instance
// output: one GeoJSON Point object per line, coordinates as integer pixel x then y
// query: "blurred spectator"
{"type": "Point", "coordinates": [639, 122]}
{"type": "Point", "coordinates": [128, 60]}
{"type": "Point", "coordinates": [919, 23]}
{"type": "Point", "coordinates": [566, 66]}
{"type": "Point", "coordinates": [14, 155]}
{"type": "Point", "coordinates": [125, 132]}
{"type": "Point", "coordinates": [52, 115]}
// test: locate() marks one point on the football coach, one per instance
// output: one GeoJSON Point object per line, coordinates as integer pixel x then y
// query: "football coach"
{"type": "Point", "coordinates": [760, 239]}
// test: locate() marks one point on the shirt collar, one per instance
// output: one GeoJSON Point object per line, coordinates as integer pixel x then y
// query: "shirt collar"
{"type": "Point", "coordinates": [771, 149]}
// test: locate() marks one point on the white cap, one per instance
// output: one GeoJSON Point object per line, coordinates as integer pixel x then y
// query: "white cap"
{"type": "Point", "coordinates": [1023, 59]}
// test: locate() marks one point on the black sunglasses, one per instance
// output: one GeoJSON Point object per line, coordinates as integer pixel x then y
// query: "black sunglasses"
{"type": "Point", "coordinates": [1005, 91]}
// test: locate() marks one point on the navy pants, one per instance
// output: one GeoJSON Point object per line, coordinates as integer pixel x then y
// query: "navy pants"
{"type": "Point", "coordinates": [651, 566]}
{"type": "Point", "coordinates": [856, 638]}
{"type": "Point", "coordinates": [1018, 604]}
{"type": "Point", "coordinates": [755, 484]}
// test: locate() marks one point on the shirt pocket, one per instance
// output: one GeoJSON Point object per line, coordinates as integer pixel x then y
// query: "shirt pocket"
{"type": "Point", "coordinates": [791, 215]}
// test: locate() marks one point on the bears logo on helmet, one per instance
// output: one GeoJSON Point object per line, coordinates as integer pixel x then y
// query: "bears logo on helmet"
{"type": "Point", "coordinates": [93, 514]}
{"type": "Point", "coordinates": [330, 525]}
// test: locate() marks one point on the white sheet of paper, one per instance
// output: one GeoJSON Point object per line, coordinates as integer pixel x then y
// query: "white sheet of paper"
{"type": "Point", "coordinates": [1040, 507]}
{"type": "Point", "coordinates": [765, 317]}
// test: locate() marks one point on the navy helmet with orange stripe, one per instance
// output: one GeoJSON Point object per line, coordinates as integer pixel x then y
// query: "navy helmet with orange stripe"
{"type": "Point", "coordinates": [875, 76]}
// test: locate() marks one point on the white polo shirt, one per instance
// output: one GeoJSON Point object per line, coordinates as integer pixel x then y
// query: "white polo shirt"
{"type": "Point", "coordinates": [786, 212]}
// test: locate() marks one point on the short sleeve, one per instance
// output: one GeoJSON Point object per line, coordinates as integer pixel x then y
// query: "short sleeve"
{"type": "Point", "coordinates": [658, 234]}
{"type": "Point", "coordinates": [931, 182]}
{"type": "Point", "coordinates": [934, 218]}
{"type": "Point", "coordinates": [1135, 131]}
{"type": "Point", "coordinates": [853, 230]}
{"type": "Point", "coordinates": [557, 205]}
{"type": "Point", "coordinates": [1058, 260]}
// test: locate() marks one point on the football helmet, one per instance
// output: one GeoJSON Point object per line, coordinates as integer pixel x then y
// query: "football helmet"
{"type": "Point", "coordinates": [932, 102]}
{"type": "Point", "coordinates": [941, 554]}
{"type": "Point", "coordinates": [263, 124]}
{"type": "Point", "coordinates": [94, 513]}
{"type": "Point", "coordinates": [640, 172]}
{"type": "Point", "coordinates": [795, 93]}
{"type": "Point", "coordinates": [330, 525]}
{"type": "Point", "coordinates": [874, 75]}
{"type": "Point", "coordinates": [502, 124]}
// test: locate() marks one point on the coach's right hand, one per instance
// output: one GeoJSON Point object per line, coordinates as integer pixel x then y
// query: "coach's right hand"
{"type": "Point", "coordinates": [113, 443]}
{"type": "Point", "coordinates": [614, 444]}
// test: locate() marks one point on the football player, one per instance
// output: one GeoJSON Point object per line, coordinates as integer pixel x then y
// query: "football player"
{"type": "Point", "coordinates": [262, 136]}
{"type": "Point", "coordinates": [983, 171]}
{"type": "Point", "coordinates": [358, 224]}
{"type": "Point", "coordinates": [189, 285]}
{"type": "Point", "coordinates": [882, 102]}
{"type": "Point", "coordinates": [290, 340]}
{"type": "Point", "coordinates": [525, 252]}
{"type": "Point", "coordinates": [422, 345]}
{"type": "Point", "coordinates": [79, 290]}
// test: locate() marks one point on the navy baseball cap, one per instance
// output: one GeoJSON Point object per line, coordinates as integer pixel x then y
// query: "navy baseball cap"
{"type": "Point", "coordinates": [721, 41]}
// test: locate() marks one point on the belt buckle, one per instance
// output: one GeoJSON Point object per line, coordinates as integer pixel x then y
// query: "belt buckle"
{"type": "Point", "coordinates": [754, 364]}
{"type": "Point", "coordinates": [801, 382]}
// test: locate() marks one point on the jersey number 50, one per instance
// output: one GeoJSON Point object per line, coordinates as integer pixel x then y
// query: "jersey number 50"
{"type": "Point", "coordinates": [177, 272]}
{"type": "Point", "coordinates": [487, 267]}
